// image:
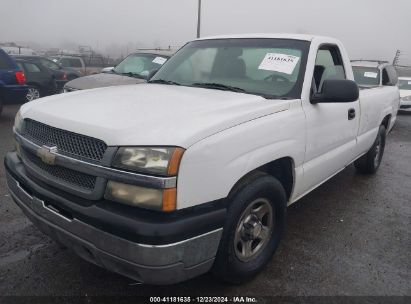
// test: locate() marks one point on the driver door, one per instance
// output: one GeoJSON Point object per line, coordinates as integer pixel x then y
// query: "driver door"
{"type": "Point", "coordinates": [331, 127]}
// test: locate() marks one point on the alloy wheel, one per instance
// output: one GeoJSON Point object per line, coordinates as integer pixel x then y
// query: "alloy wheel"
{"type": "Point", "coordinates": [254, 230]}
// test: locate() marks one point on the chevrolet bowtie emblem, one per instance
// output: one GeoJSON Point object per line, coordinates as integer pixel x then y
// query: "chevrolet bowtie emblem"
{"type": "Point", "coordinates": [47, 154]}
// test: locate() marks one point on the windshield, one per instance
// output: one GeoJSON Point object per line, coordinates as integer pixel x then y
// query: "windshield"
{"type": "Point", "coordinates": [405, 84]}
{"type": "Point", "coordinates": [140, 65]}
{"type": "Point", "coordinates": [366, 76]}
{"type": "Point", "coordinates": [272, 68]}
{"type": "Point", "coordinates": [50, 64]}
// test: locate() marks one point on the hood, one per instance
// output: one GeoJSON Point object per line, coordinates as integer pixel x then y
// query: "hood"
{"type": "Point", "coordinates": [405, 93]}
{"type": "Point", "coordinates": [102, 80]}
{"type": "Point", "coordinates": [150, 114]}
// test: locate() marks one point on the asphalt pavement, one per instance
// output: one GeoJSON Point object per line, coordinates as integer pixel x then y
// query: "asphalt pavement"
{"type": "Point", "coordinates": [351, 236]}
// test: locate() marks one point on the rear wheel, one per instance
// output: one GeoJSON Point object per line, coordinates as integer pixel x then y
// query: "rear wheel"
{"type": "Point", "coordinates": [33, 93]}
{"type": "Point", "coordinates": [253, 229]}
{"type": "Point", "coordinates": [370, 162]}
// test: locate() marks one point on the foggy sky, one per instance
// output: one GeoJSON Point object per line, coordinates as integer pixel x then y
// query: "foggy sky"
{"type": "Point", "coordinates": [368, 28]}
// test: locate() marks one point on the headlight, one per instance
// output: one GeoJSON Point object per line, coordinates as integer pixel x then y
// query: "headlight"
{"type": "Point", "coordinates": [67, 89]}
{"type": "Point", "coordinates": [163, 161]}
{"type": "Point", "coordinates": [406, 98]}
{"type": "Point", "coordinates": [18, 122]}
{"type": "Point", "coordinates": [156, 199]}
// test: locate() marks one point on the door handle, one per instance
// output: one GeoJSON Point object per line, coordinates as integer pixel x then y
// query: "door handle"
{"type": "Point", "coordinates": [351, 114]}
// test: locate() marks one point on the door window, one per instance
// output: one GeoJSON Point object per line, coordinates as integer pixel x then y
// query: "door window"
{"type": "Point", "coordinates": [4, 62]}
{"type": "Point", "coordinates": [71, 62]}
{"type": "Point", "coordinates": [328, 65]}
{"type": "Point", "coordinates": [31, 68]}
{"type": "Point", "coordinates": [75, 63]}
{"type": "Point", "coordinates": [65, 62]}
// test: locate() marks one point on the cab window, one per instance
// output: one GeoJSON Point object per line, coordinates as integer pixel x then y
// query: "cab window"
{"type": "Point", "coordinates": [389, 76]}
{"type": "Point", "coordinates": [328, 65]}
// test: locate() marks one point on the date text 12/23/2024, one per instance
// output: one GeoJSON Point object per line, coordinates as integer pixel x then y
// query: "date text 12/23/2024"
{"type": "Point", "coordinates": [205, 299]}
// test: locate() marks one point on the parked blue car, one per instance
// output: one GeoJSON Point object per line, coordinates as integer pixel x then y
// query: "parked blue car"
{"type": "Point", "coordinates": [13, 88]}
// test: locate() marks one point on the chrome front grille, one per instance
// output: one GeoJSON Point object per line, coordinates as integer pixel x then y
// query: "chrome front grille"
{"type": "Point", "coordinates": [62, 174]}
{"type": "Point", "coordinates": [40, 149]}
{"type": "Point", "coordinates": [71, 144]}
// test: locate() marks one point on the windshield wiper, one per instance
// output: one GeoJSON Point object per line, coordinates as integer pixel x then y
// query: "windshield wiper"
{"type": "Point", "coordinates": [276, 97]}
{"type": "Point", "coordinates": [163, 81]}
{"type": "Point", "coordinates": [135, 75]}
{"type": "Point", "coordinates": [218, 86]}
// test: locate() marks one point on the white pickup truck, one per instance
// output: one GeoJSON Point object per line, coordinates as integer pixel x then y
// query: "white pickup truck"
{"type": "Point", "coordinates": [194, 170]}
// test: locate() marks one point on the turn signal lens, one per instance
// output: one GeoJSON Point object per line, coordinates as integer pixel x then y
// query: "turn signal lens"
{"type": "Point", "coordinates": [169, 199]}
{"type": "Point", "coordinates": [175, 160]}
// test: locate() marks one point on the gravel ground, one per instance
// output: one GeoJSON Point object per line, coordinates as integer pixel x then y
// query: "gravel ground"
{"type": "Point", "coordinates": [349, 237]}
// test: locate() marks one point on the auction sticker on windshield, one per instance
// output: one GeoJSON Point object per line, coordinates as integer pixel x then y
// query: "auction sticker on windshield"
{"type": "Point", "coordinates": [279, 63]}
{"type": "Point", "coordinates": [370, 74]}
{"type": "Point", "coordinates": [159, 60]}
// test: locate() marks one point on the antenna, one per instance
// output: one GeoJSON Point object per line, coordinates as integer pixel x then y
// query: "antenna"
{"type": "Point", "coordinates": [396, 60]}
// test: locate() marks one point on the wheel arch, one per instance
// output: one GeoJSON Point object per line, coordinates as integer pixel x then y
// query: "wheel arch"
{"type": "Point", "coordinates": [34, 84]}
{"type": "Point", "coordinates": [386, 121]}
{"type": "Point", "coordinates": [282, 169]}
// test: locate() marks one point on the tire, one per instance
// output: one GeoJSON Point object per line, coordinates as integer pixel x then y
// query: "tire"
{"type": "Point", "coordinates": [241, 254]}
{"type": "Point", "coordinates": [370, 162]}
{"type": "Point", "coordinates": [33, 93]}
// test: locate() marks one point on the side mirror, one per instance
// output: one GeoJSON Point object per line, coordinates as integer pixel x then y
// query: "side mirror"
{"type": "Point", "coordinates": [336, 90]}
{"type": "Point", "coordinates": [151, 74]}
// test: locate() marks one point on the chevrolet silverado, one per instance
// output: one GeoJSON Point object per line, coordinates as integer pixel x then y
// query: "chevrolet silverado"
{"type": "Point", "coordinates": [193, 171]}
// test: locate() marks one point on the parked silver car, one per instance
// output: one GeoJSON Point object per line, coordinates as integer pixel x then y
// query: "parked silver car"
{"type": "Point", "coordinates": [135, 68]}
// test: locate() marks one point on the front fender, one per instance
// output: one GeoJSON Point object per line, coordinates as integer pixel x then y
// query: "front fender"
{"type": "Point", "coordinates": [211, 167]}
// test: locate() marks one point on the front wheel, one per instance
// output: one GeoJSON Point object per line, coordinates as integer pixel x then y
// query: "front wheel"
{"type": "Point", "coordinates": [253, 229]}
{"type": "Point", "coordinates": [370, 162]}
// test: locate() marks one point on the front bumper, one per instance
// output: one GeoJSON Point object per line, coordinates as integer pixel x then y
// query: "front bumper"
{"type": "Point", "coordinates": [152, 264]}
{"type": "Point", "coordinates": [405, 105]}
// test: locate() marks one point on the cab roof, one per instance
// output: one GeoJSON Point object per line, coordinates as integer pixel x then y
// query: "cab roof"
{"type": "Point", "coordinates": [305, 37]}
{"type": "Point", "coordinates": [369, 63]}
